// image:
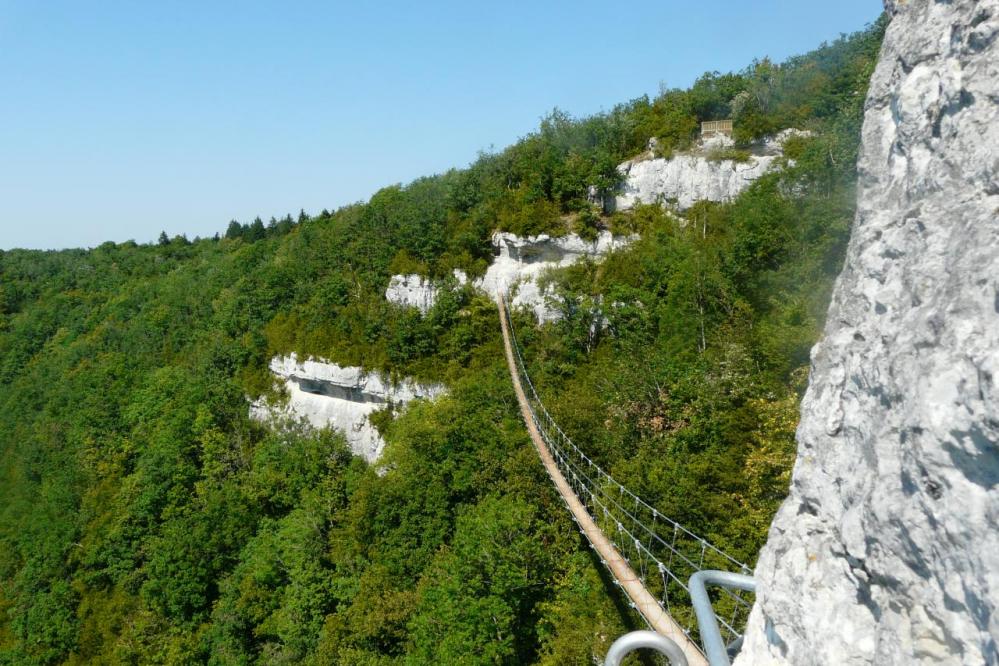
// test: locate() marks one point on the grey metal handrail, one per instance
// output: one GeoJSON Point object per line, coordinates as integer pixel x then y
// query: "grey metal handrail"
{"type": "Point", "coordinates": [636, 640]}
{"type": "Point", "coordinates": [711, 639]}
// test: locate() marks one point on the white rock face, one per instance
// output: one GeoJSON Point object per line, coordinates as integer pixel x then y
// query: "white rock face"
{"type": "Point", "coordinates": [887, 549]}
{"type": "Point", "coordinates": [518, 263]}
{"type": "Point", "coordinates": [326, 394]}
{"type": "Point", "coordinates": [412, 291]}
{"type": "Point", "coordinates": [687, 179]}
{"type": "Point", "coordinates": [521, 261]}
{"type": "Point", "coordinates": [417, 291]}
{"type": "Point", "coordinates": [691, 178]}
{"type": "Point", "coordinates": [718, 140]}
{"type": "Point", "coordinates": [775, 143]}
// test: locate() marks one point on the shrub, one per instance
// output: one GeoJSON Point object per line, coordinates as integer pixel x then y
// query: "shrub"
{"type": "Point", "coordinates": [733, 154]}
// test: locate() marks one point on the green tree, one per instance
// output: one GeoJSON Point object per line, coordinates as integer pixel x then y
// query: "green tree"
{"type": "Point", "coordinates": [234, 230]}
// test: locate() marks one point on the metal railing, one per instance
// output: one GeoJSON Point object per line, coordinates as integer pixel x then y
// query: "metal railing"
{"type": "Point", "coordinates": [715, 648]}
{"type": "Point", "coordinates": [638, 640]}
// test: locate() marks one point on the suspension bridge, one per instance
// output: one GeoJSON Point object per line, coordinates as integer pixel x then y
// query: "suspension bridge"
{"type": "Point", "coordinates": [649, 556]}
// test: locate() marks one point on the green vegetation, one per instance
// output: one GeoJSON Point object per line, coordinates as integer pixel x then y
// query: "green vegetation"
{"type": "Point", "coordinates": [734, 154]}
{"type": "Point", "coordinates": [145, 519]}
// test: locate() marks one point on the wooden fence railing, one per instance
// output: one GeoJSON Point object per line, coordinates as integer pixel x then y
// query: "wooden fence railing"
{"type": "Point", "coordinates": [709, 127]}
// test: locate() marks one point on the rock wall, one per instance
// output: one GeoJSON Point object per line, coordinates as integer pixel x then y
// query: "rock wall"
{"type": "Point", "coordinates": [687, 179]}
{"type": "Point", "coordinates": [887, 549]}
{"type": "Point", "coordinates": [329, 395]}
{"type": "Point", "coordinates": [417, 291]}
{"type": "Point", "coordinates": [521, 261]}
{"type": "Point", "coordinates": [518, 262]}
{"type": "Point", "coordinates": [694, 177]}
{"type": "Point", "coordinates": [413, 291]}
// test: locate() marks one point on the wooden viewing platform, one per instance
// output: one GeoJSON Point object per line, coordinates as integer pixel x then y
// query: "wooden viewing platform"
{"type": "Point", "coordinates": [712, 127]}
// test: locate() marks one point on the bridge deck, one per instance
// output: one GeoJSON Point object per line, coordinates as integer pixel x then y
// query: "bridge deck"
{"type": "Point", "coordinates": [645, 603]}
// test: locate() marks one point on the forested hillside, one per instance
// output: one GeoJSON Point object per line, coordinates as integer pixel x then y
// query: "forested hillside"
{"type": "Point", "coordinates": [144, 518]}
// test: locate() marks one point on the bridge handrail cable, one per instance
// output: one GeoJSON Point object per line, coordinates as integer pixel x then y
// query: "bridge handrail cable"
{"type": "Point", "coordinates": [600, 471]}
{"type": "Point", "coordinates": [633, 532]}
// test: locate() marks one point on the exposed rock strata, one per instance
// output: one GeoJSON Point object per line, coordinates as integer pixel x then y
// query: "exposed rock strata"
{"type": "Point", "coordinates": [521, 261]}
{"type": "Point", "coordinates": [326, 394]}
{"type": "Point", "coordinates": [413, 291]}
{"type": "Point", "coordinates": [518, 263]}
{"type": "Point", "coordinates": [417, 291]}
{"type": "Point", "coordinates": [887, 549]}
{"type": "Point", "coordinates": [687, 179]}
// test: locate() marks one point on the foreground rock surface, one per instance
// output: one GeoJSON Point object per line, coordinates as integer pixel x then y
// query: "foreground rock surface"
{"type": "Point", "coordinates": [886, 551]}
{"type": "Point", "coordinates": [342, 398]}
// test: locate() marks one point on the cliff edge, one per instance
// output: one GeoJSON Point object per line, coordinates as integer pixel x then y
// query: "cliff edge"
{"type": "Point", "coordinates": [886, 550]}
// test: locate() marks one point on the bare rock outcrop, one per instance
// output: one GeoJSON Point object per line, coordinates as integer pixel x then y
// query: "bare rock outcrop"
{"type": "Point", "coordinates": [688, 178]}
{"type": "Point", "coordinates": [887, 549]}
{"type": "Point", "coordinates": [413, 291]}
{"type": "Point", "coordinates": [417, 291]}
{"type": "Point", "coordinates": [520, 261]}
{"type": "Point", "coordinates": [339, 397]}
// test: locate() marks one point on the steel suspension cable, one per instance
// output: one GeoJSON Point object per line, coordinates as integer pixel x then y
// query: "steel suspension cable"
{"type": "Point", "coordinates": [633, 531]}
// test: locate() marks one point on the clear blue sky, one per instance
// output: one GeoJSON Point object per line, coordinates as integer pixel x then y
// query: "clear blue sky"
{"type": "Point", "coordinates": [121, 119]}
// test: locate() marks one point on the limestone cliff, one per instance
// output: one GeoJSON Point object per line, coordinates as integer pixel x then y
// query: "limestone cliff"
{"type": "Point", "coordinates": [521, 261]}
{"type": "Point", "coordinates": [419, 292]}
{"type": "Point", "coordinates": [518, 263]}
{"type": "Point", "coordinates": [342, 398]}
{"type": "Point", "coordinates": [688, 178]}
{"type": "Point", "coordinates": [887, 549]}
{"type": "Point", "coordinates": [413, 291]}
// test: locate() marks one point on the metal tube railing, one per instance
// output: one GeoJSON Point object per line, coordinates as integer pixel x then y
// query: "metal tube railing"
{"type": "Point", "coordinates": [711, 639]}
{"type": "Point", "coordinates": [637, 640]}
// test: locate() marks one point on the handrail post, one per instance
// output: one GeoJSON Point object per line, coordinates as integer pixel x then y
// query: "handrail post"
{"type": "Point", "coordinates": [711, 638]}
{"type": "Point", "coordinates": [636, 640]}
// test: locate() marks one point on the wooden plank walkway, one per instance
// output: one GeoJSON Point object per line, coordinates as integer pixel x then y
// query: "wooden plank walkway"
{"type": "Point", "coordinates": [660, 621]}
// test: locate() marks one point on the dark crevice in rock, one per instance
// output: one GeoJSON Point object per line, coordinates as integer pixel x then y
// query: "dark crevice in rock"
{"type": "Point", "coordinates": [981, 468]}
{"type": "Point", "coordinates": [865, 581]}
{"type": "Point", "coordinates": [964, 99]}
{"type": "Point", "coordinates": [933, 488]}
{"type": "Point", "coordinates": [981, 17]}
{"type": "Point", "coordinates": [978, 42]}
{"type": "Point", "coordinates": [978, 608]}
{"type": "Point", "coordinates": [337, 391]}
{"type": "Point", "coordinates": [774, 638]}
{"type": "Point", "coordinates": [807, 507]}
